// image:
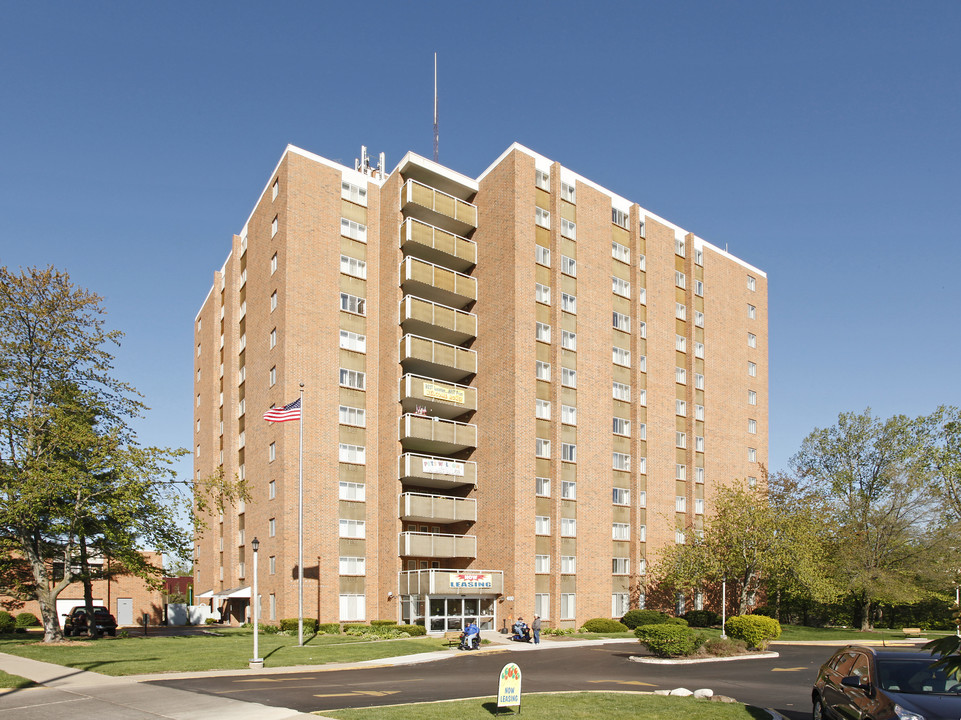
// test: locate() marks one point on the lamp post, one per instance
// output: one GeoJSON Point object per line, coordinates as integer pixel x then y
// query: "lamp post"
{"type": "Point", "coordinates": [256, 662]}
{"type": "Point", "coordinates": [723, 600]}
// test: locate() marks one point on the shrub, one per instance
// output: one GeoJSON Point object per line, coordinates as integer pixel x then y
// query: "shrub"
{"type": "Point", "coordinates": [702, 618]}
{"type": "Point", "coordinates": [329, 629]}
{"type": "Point", "coordinates": [378, 623]}
{"type": "Point", "coordinates": [676, 621]}
{"type": "Point", "coordinates": [756, 630]}
{"type": "Point", "coordinates": [558, 631]}
{"type": "Point", "coordinates": [412, 630]}
{"type": "Point", "coordinates": [310, 625]}
{"type": "Point", "coordinates": [665, 640]}
{"type": "Point", "coordinates": [7, 623]}
{"type": "Point", "coordinates": [724, 647]}
{"type": "Point", "coordinates": [25, 620]}
{"type": "Point", "coordinates": [355, 626]}
{"type": "Point", "coordinates": [603, 625]}
{"type": "Point", "coordinates": [210, 621]}
{"type": "Point", "coordinates": [269, 629]}
{"type": "Point", "coordinates": [636, 618]}
{"type": "Point", "coordinates": [766, 611]}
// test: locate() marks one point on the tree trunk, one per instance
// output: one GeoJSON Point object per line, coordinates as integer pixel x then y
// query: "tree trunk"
{"type": "Point", "coordinates": [865, 613]}
{"type": "Point", "coordinates": [46, 595]}
{"type": "Point", "coordinates": [87, 585]}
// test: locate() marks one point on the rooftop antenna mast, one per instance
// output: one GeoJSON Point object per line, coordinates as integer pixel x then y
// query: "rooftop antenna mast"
{"type": "Point", "coordinates": [435, 109]}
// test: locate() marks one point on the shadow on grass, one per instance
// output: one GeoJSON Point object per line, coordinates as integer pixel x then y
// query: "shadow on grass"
{"type": "Point", "coordinates": [493, 709]}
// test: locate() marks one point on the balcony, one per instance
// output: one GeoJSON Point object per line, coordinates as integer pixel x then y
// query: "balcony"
{"type": "Point", "coordinates": [436, 283]}
{"type": "Point", "coordinates": [420, 432]}
{"type": "Point", "coordinates": [437, 359]}
{"type": "Point", "coordinates": [436, 472]}
{"type": "Point", "coordinates": [437, 208]}
{"type": "Point", "coordinates": [420, 507]}
{"type": "Point", "coordinates": [440, 399]}
{"type": "Point", "coordinates": [451, 582]}
{"type": "Point", "coordinates": [423, 317]}
{"type": "Point", "coordinates": [437, 545]}
{"type": "Point", "coordinates": [435, 244]}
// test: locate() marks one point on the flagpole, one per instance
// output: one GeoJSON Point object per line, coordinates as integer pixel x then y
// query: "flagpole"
{"type": "Point", "coordinates": [300, 531]}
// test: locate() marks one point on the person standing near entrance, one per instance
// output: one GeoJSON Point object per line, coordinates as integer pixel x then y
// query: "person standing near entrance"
{"type": "Point", "coordinates": [536, 629]}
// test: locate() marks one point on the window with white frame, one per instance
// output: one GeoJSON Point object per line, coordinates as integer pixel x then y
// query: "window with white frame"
{"type": "Point", "coordinates": [272, 452]}
{"type": "Point", "coordinates": [542, 564]}
{"type": "Point", "coordinates": [642, 397]}
{"type": "Point", "coordinates": [752, 454]}
{"type": "Point", "coordinates": [353, 193]}
{"type": "Point", "coordinates": [699, 318]}
{"type": "Point", "coordinates": [353, 566]}
{"type": "Point", "coordinates": [698, 257]}
{"type": "Point", "coordinates": [751, 340]}
{"type": "Point", "coordinates": [699, 350]}
{"type": "Point", "coordinates": [622, 426]}
{"type": "Point", "coordinates": [699, 443]}
{"type": "Point", "coordinates": [568, 340]}
{"type": "Point", "coordinates": [542, 294]}
{"type": "Point", "coordinates": [622, 392]}
{"type": "Point", "coordinates": [679, 537]}
{"type": "Point", "coordinates": [642, 533]}
{"type": "Point", "coordinates": [353, 607]}
{"type": "Point", "coordinates": [622, 322]}
{"type": "Point", "coordinates": [568, 377]}
{"type": "Point", "coordinates": [542, 180]}
{"type": "Point", "coordinates": [751, 369]}
{"type": "Point", "coordinates": [751, 312]}
{"type": "Point", "coordinates": [568, 303]}
{"type": "Point", "coordinates": [353, 528]}
{"type": "Point", "coordinates": [542, 217]}
{"type": "Point", "coordinates": [353, 304]}
{"type": "Point", "coordinates": [568, 415]}
{"type": "Point", "coordinates": [698, 381]}
{"type": "Point", "coordinates": [568, 527]}
{"type": "Point", "coordinates": [543, 486]}
{"type": "Point", "coordinates": [272, 565]}
{"type": "Point", "coordinates": [679, 247]}
{"type": "Point", "coordinates": [273, 263]}
{"type": "Point", "coordinates": [569, 452]}
{"type": "Point", "coordinates": [642, 263]}
{"type": "Point", "coordinates": [543, 448]}
{"type": "Point", "coordinates": [620, 252]}
{"type": "Point", "coordinates": [273, 301]}
{"type": "Point", "coordinates": [353, 379]}
{"type": "Point", "coordinates": [568, 490]}
{"type": "Point", "coordinates": [680, 439]}
{"type": "Point", "coordinates": [619, 604]}
{"type": "Point", "coordinates": [272, 527]}
{"type": "Point", "coordinates": [621, 496]}
{"type": "Point", "coordinates": [752, 426]}
{"type": "Point", "coordinates": [272, 341]}
{"type": "Point", "coordinates": [356, 492]}
{"type": "Point", "coordinates": [543, 371]}
{"type": "Point", "coordinates": [542, 255]}
{"type": "Point", "coordinates": [642, 295]}
{"type": "Point", "coordinates": [680, 279]}
{"type": "Point", "coordinates": [354, 454]}
{"type": "Point", "coordinates": [273, 376]}
{"type": "Point", "coordinates": [542, 605]}
{"type": "Point", "coordinates": [568, 606]}
{"type": "Point", "coordinates": [621, 356]}
{"type": "Point", "coordinates": [543, 409]}
{"type": "Point", "coordinates": [620, 287]}
{"type": "Point", "coordinates": [353, 230]}
{"type": "Point", "coordinates": [543, 332]}
{"type": "Point", "coordinates": [752, 482]}
{"type": "Point", "coordinates": [699, 475]}
{"type": "Point", "coordinates": [680, 407]}
{"type": "Point", "coordinates": [568, 229]}
{"type": "Point", "coordinates": [642, 363]}
{"type": "Point", "coordinates": [642, 465]}
{"type": "Point", "coordinates": [751, 397]}
{"type": "Point", "coordinates": [680, 311]}
{"type": "Point", "coordinates": [699, 412]}
{"type": "Point", "coordinates": [622, 461]}
{"type": "Point", "coordinates": [751, 283]}
{"type": "Point", "coordinates": [568, 266]}
{"type": "Point", "coordinates": [619, 217]}
{"type": "Point", "coordinates": [621, 531]}
{"type": "Point", "coordinates": [620, 565]}
{"type": "Point", "coordinates": [698, 506]}
{"type": "Point", "coordinates": [680, 471]}
{"type": "Point", "coordinates": [568, 564]}
{"type": "Point", "coordinates": [271, 489]}
{"type": "Point", "coordinates": [680, 343]}
{"type": "Point", "coordinates": [642, 498]}
{"type": "Point", "coordinates": [353, 266]}
{"type": "Point", "coordinates": [568, 192]}
{"type": "Point", "coordinates": [680, 504]}
{"type": "Point", "coordinates": [274, 190]}
{"type": "Point", "coordinates": [542, 525]}
{"type": "Point", "coordinates": [353, 416]}
{"type": "Point", "coordinates": [699, 288]}
{"type": "Point", "coordinates": [273, 226]}
{"type": "Point", "coordinates": [680, 375]}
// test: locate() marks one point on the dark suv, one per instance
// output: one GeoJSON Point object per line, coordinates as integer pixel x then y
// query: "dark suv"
{"type": "Point", "coordinates": [884, 684]}
{"type": "Point", "coordinates": [77, 623]}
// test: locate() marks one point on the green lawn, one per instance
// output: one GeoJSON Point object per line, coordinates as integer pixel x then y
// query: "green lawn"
{"type": "Point", "coordinates": [14, 681]}
{"type": "Point", "coordinates": [229, 651]}
{"type": "Point", "coordinates": [570, 706]}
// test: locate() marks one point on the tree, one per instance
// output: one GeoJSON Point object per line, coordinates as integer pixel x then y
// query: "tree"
{"type": "Point", "coordinates": [73, 478]}
{"type": "Point", "coordinates": [942, 455]}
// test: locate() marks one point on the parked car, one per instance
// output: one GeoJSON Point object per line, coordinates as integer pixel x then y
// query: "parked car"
{"type": "Point", "coordinates": [76, 622]}
{"type": "Point", "coordinates": [884, 684]}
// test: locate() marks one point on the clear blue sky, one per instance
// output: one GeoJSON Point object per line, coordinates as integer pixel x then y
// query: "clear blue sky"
{"type": "Point", "coordinates": [818, 141]}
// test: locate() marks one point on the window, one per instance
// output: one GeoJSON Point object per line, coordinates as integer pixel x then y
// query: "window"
{"type": "Point", "coordinates": [699, 288]}
{"type": "Point", "coordinates": [353, 193]}
{"type": "Point", "coordinates": [542, 217]}
{"type": "Point", "coordinates": [568, 414]}
{"type": "Point", "coordinates": [568, 193]}
{"type": "Point", "coordinates": [622, 322]}
{"type": "Point", "coordinates": [642, 397]}
{"type": "Point", "coordinates": [543, 449]}
{"type": "Point", "coordinates": [679, 538]}
{"type": "Point", "coordinates": [356, 492]}
{"type": "Point", "coordinates": [751, 340]}
{"type": "Point", "coordinates": [353, 379]}
{"type": "Point", "coordinates": [568, 527]}
{"type": "Point", "coordinates": [353, 341]}
{"type": "Point", "coordinates": [642, 533]}
{"type": "Point", "coordinates": [275, 188]}
{"type": "Point", "coordinates": [542, 294]}
{"type": "Point", "coordinates": [353, 304]}
{"type": "Point", "coordinates": [621, 531]}
{"type": "Point", "coordinates": [621, 461]}
{"type": "Point", "coordinates": [543, 409]}
{"type": "Point", "coordinates": [568, 377]}
{"type": "Point", "coordinates": [353, 416]}
{"type": "Point", "coordinates": [680, 343]}
{"type": "Point", "coordinates": [568, 340]}
{"type": "Point", "coordinates": [273, 301]}
{"type": "Point", "coordinates": [622, 426]}
{"type": "Point", "coordinates": [622, 392]}
{"type": "Point", "coordinates": [542, 255]}
{"type": "Point", "coordinates": [620, 566]}
{"type": "Point", "coordinates": [568, 606]}
{"type": "Point", "coordinates": [568, 266]}
{"type": "Point", "coordinates": [271, 489]}
{"type": "Point", "coordinates": [698, 381]}
{"type": "Point", "coordinates": [699, 412]}
{"type": "Point", "coordinates": [621, 496]}
{"type": "Point", "coordinates": [543, 181]}
{"type": "Point", "coordinates": [272, 527]}
{"type": "Point", "coordinates": [353, 230]}
{"type": "Point", "coordinates": [273, 226]}
{"type": "Point", "coordinates": [542, 564]}
{"type": "Point", "coordinates": [569, 452]}
{"type": "Point", "coordinates": [680, 504]}
{"type": "Point", "coordinates": [619, 217]}
{"type": "Point", "coordinates": [698, 506]}
{"type": "Point", "coordinates": [752, 455]}
{"type": "Point", "coordinates": [642, 263]}
{"type": "Point", "coordinates": [680, 471]}
{"type": "Point", "coordinates": [622, 357]}
{"type": "Point", "coordinates": [751, 283]}
{"type": "Point", "coordinates": [642, 296]}
{"type": "Point", "coordinates": [352, 607]}
{"type": "Point", "coordinates": [642, 465]}
{"type": "Point", "coordinates": [273, 376]}
{"type": "Point", "coordinates": [680, 376]}
{"type": "Point", "coordinates": [273, 337]}
{"type": "Point", "coordinates": [354, 454]}
{"type": "Point", "coordinates": [543, 371]}
{"type": "Point", "coordinates": [699, 350]}
{"type": "Point", "coordinates": [752, 482]}
{"type": "Point", "coordinates": [568, 229]}
{"type": "Point", "coordinates": [699, 443]}
{"type": "Point", "coordinates": [680, 311]}
{"type": "Point", "coordinates": [698, 257]}
{"type": "Point", "coordinates": [272, 565]}
{"type": "Point", "coordinates": [751, 397]}
{"type": "Point", "coordinates": [751, 368]}
{"type": "Point", "coordinates": [542, 525]}
{"type": "Point", "coordinates": [679, 279]}
{"type": "Point", "coordinates": [751, 312]}
{"type": "Point", "coordinates": [273, 264]}
{"type": "Point", "coordinates": [620, 252]}
{"type": "Point", "coordinates": [620, 287]}
{"type": "Point", "coordinates": [543, 486]}
{"type": "Point", "coordinates": [679, 247]}
{"type": "Point", "coordinates": [680, 408]}
{"type": "Point", "coordinates": [568, 490]}
{"type": "Point", "coordinates": [542, 605]}
{"type": "Point", "coordinates": [353, 566]}
{"type": "Point", "coordinates": [752, 426]}
{"type": "Point", "coordinates": [699, 318]}
{"type": "Point", "coordinates": [353, 266]}
{"type": "Point", "coordinates": [543, 332]}
{"type": "Point", "coordinates": [353, 528]}
{"type": "Point", "coordinates": [680, 439]}
{"type": "Point", "coordinates": [642, 498]}
{"type": "Point", "coordinates": [568, 303]}
{"type": "Point", "coordinates": [272, 452]}
{"type": "Point", "coordinates": [568, 564]}
{"type": "Point", "coordinates": [699, 475]}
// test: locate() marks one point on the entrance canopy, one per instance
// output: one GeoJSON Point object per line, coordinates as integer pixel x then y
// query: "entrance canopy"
{"type": "Point", "coordinates": [238, 592]}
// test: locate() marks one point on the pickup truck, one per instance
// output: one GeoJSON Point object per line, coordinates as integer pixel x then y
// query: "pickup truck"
{"type": "Point", "coordinates": [76, 622]}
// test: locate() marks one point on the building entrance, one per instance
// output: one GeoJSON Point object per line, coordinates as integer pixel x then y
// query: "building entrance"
{"type": "Point", "coordinates": [455, 613]}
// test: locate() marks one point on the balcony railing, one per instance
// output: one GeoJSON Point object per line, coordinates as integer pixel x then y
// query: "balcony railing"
{"type": "Point", "coordinates": [437, 359]}
{"type": "Point", "coordinates": [451, 582]}
{"type": "Point", "coordinates": [423, 317]}
{"type": "Point", "coordinates": [441, 399]}
{"type": "Point", "coordinates": [418, 544]}
{"type": "Point", "coordinates": [437, 283]}
{"type": "Point", "coordinates": [437, 245]}
{"type": "Point", "coordinates": [436, 472]}
{"type": "Point", "coordinates": [421, 432]}
{"type": "Point", "coordinates": [420, 507]}
{"type": "Point", "coordinates": [438, 208]}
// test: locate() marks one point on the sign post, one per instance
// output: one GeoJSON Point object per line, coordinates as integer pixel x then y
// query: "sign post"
{"type": "Point", "coordinates": [509, 687]}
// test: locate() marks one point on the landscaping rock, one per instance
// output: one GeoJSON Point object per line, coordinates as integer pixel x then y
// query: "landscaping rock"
{"type": "Point", "coordinates": [723, 699]}
{"type": "Point", "coordinates": [703, 693]}
{"type": "Point", "coordinates": [681, 692]}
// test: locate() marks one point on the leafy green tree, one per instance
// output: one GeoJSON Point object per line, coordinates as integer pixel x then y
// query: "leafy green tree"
{"type": "Point", "coordinates": [942, 456]}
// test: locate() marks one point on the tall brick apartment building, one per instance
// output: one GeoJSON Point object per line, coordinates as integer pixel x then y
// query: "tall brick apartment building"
{"type": "Point", "coordinates": [533, 385]}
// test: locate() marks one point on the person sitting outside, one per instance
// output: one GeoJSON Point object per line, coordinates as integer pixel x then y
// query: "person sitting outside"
{"type": "Point", "coordinates": [471, 637]}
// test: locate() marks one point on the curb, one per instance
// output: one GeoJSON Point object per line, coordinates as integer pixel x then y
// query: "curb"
{"type": "Point", "coordinates": [697, 661]}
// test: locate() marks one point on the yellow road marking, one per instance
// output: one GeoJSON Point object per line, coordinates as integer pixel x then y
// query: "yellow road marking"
{"type": "Point", "coordinates": [371, 693]}
{"type": "Point", "coordinates": [624, 682]}
{"type": "Point", "coordinates": [794, 669]}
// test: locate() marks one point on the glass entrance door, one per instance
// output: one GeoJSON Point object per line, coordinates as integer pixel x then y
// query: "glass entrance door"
{"type": "Point", "coordinates": [455, 613]}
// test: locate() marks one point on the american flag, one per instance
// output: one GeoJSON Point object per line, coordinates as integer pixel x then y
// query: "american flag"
{"type": "Point", "coordinates": [287, 412]}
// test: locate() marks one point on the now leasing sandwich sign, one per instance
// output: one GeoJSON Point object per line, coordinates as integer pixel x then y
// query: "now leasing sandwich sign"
{"type": "Point", "coordinates": [459, 581]}
{"type": "Point", "coordinates": [509, 687]}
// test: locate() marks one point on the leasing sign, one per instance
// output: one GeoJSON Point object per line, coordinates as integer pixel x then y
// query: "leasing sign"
{"type": "Point", "coordinates": [470, 581]}
{"type": "Point", "coordinates": [509, 686]}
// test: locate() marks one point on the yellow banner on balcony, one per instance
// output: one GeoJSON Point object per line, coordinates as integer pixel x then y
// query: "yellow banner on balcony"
{"type": "Point", "coordinates": [443, 393]}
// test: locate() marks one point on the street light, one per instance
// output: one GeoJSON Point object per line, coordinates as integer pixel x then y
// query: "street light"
{"type": "Point", "coordinates": [256, 662]}
{"type": "Point", "coordinates": [723, 599]}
